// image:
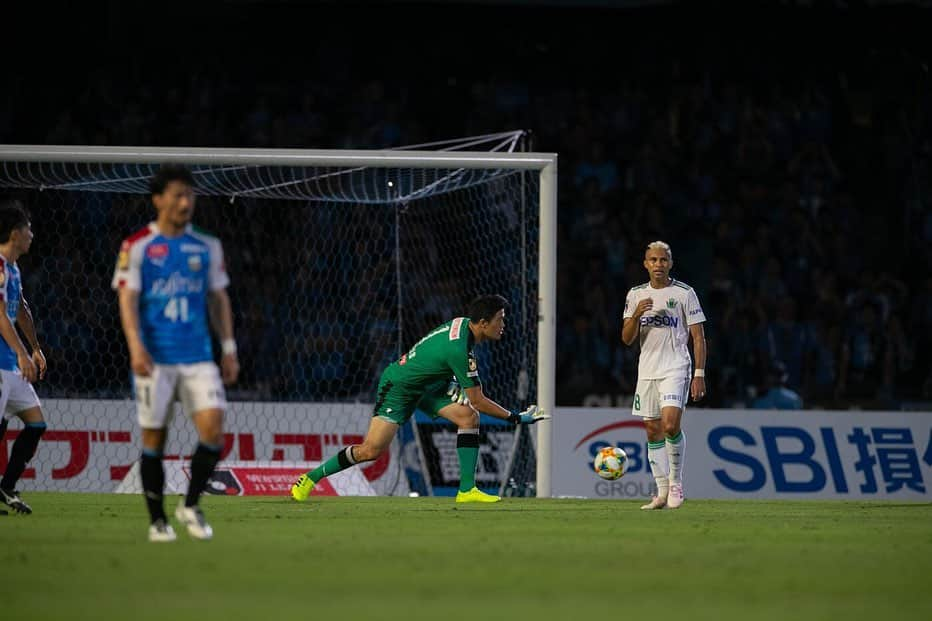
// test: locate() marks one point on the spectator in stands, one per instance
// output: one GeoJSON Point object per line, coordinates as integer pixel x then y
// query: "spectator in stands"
{"type": "Point", "coordinates": [780, 173]}
{"type": "Point", "coordinates": [864, 363]}
{"type": "Point", "coordinates": [777, 395]}
{"type": "Point", "coordinates": [786, 340]}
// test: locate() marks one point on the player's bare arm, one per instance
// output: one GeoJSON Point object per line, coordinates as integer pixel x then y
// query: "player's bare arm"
{"type": "Point", "coordinates": [629, 330]}
{"type": "Point", "coordinates": [530, 416]}
{"type": "Point", "coordinates": [26, 366]}
{"type": "Point", "coordinates": [139, 359]}
{"type": "Point", "coordinates": [27, 325]}
{"type": "Point", "coordinates": [697, 387]}
{"type": "Point", "coordinates": [480, 402]}
{"type": "Point", "coordinates": [221, 317]}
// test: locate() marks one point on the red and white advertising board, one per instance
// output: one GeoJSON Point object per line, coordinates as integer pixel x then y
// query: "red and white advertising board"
{"type": "Point", "coordinates": [93, 445]}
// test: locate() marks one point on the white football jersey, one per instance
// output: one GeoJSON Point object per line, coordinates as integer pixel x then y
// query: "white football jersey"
{"type": "Point", "coordinates": [664, 330]}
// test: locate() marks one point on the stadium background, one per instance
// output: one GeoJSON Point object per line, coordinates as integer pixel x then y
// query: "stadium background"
{"type": "Point", "coordinates": [696, 125]}
{"type": "Point", "coordinates": [783, 152]}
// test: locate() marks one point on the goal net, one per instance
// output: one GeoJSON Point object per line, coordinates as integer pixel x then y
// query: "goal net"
{"type": "Point", "coordinates": [339, 262]}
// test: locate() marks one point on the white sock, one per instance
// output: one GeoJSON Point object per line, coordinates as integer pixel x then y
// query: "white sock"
{"type": "Point", "coordinates": [676, 451]}
{"type": "Point", "coordinates": [657, 456]}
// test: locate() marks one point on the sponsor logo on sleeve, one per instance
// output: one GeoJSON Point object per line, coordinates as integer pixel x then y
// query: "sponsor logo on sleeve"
{"type": "Point", "coordinates": [455, 328]}
{"type": "Point", "coordinates": [123, 260]}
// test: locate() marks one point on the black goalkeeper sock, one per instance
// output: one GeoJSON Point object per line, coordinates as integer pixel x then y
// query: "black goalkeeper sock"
{"type": "Point", "coordinates": [23, 450]}
{"type": "Point", "coordinates": [153, 482]}
{"type": "Point", "coordinates": [3, 423]}
{"type": "Point", "coordinates": [203, 461]}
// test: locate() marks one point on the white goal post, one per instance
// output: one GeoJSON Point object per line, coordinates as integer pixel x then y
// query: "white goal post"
{"type": "Point", "coordinates": [34, 157]}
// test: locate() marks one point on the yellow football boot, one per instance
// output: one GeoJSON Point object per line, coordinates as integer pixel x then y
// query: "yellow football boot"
{"type": "Point", "coordinates": [476, 495]}
{"type": "Point", "coordinates": [302, 488]}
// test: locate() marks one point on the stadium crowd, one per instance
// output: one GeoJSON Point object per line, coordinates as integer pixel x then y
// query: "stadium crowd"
{"type": "Point", "coordinates": [793, 187]}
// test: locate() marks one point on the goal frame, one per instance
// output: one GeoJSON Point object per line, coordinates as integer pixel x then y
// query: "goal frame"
{"type": "Point", "coordinates": [544, 163]}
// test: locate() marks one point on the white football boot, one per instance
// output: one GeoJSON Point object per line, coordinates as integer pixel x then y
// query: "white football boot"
{"type": "Point", "coordinates": [193, 519]}
{"type": "Point", "coordinates": [656, 502]}
{"type": "Point", "coordinates": [161, 531]}
{"type": "Point", "coordinates": [676, 497]}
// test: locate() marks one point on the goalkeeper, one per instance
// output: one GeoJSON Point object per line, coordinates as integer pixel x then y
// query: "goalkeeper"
{"type": "Point", "coordinates": [421, 379]}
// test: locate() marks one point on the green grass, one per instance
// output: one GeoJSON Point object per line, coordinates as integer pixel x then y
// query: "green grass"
{"type": "Point", "coordinates": [85, 556]}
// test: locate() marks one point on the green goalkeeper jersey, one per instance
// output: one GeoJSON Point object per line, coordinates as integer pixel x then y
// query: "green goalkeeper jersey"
{"type": "Point", "coordinates": [446, 351]}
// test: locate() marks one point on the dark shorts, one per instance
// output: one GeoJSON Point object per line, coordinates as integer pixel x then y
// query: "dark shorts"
{"type": "Point", "coordinates": [396, 404]}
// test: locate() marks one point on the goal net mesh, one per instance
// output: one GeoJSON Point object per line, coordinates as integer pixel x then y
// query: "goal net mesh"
{"type": "Point", "coordinates": [335, 271]}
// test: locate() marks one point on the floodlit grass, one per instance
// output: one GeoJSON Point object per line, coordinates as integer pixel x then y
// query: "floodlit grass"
{"type": "Point", "coordinates": [85, 556]}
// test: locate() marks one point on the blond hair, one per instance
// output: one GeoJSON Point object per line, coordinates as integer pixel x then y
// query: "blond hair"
{"type": "Point", "coordinates": [662, 245]}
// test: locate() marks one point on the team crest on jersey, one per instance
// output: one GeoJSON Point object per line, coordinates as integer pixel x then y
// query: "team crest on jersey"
{"type": "Point", "coordinates": [157, 251]}
{"type": "Point", "coordinates": [671, 303]}
{"type": "Point", "coordinates": [473, 372]}
{"type": "Point", "coordinates": [195, 263]}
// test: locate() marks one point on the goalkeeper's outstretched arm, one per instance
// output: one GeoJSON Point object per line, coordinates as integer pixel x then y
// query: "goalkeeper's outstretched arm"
{"type": "Point", "coordinates": [485, 405]}
{"type": "Point", "coordinates": [480, 402]}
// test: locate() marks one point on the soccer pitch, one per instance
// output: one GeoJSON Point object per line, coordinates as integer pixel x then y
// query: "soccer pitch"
{"type": "Point", "coordinates": [85, 556]}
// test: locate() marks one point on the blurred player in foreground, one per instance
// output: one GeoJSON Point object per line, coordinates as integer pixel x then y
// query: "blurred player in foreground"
{"type": "Point", "coordinates": [170, 279]}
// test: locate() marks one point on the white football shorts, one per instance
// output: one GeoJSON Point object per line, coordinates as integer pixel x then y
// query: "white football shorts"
{"type": "Point", "coordinates": [198, 386]}
{"type": "Point", "coordinates": [652, 395]}
{"type": "Point", "coordinates": [16, 394]}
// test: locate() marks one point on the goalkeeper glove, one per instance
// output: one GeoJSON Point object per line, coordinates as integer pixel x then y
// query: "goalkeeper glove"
{"type": "Point", "coordinates": [528, 416]}
{"type": "Point", "coordinates": [457, 394]}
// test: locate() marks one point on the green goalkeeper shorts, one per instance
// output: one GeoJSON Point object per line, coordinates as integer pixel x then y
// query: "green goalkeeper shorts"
{"type": "Point", "coordinates": [396, 404]}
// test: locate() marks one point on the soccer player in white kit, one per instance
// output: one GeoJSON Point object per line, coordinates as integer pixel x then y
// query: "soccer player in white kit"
{"type": "Point", "coordinates": [663, 313]}
{"type": "Point", "coordinates": [170, 278]}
